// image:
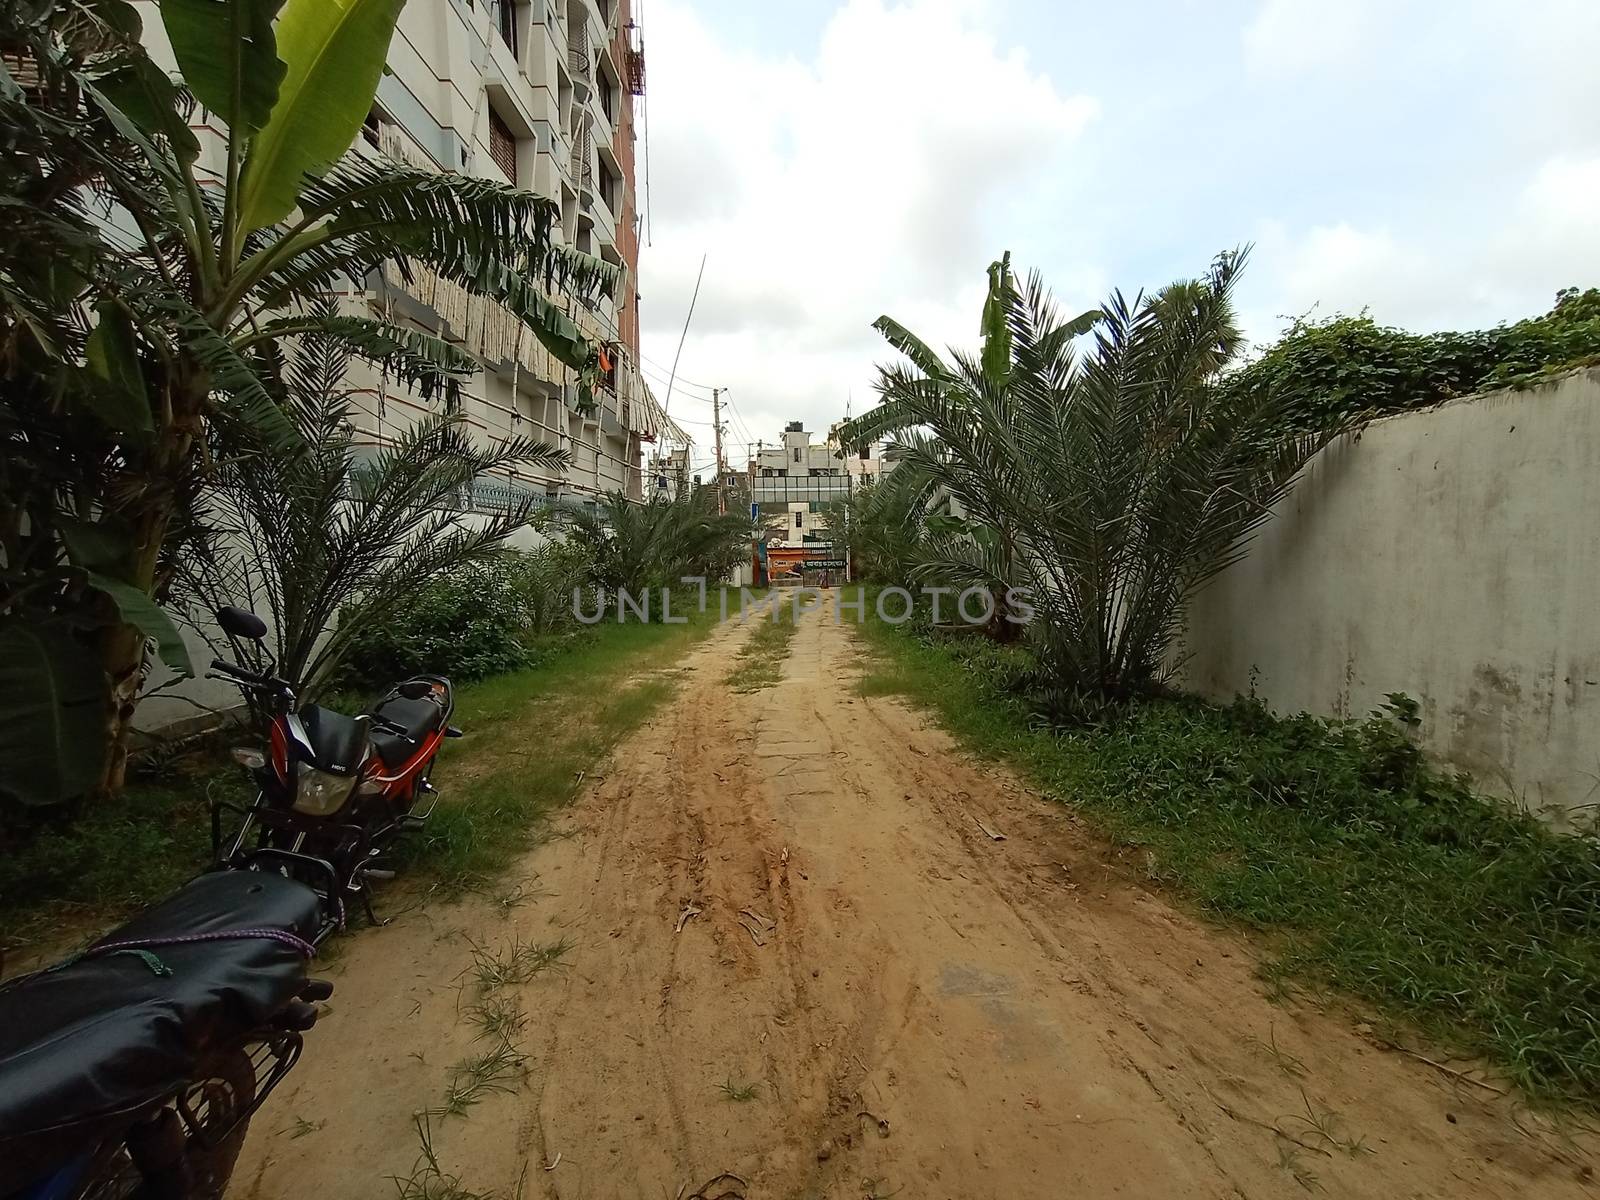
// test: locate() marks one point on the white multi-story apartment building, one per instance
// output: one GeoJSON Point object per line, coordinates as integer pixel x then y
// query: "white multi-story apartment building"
{"type": "Point", "coordinates": [541, 95]}
{"type": "Point", "coordinates": [797, 479]}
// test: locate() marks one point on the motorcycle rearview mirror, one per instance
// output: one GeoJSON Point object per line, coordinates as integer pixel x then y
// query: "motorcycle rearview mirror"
{"type": "Point", "coordinates": [241, 623]}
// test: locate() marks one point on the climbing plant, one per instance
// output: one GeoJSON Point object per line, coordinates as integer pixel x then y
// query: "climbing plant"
{"type": "Point", "coordinates": [1345, 367]}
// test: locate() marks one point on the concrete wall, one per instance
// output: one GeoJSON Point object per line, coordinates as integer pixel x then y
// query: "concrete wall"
{"type": "Point", "coordinates": [1454, 555]}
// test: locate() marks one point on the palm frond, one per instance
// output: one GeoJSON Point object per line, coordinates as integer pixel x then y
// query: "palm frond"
{"type": "Point", "coordinates": [440, 217]}
{"type": "Point", "coordinates": [428, 364]}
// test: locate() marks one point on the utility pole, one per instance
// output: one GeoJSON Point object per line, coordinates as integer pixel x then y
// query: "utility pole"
{"type": "Point", "coordinates": [716, 425]}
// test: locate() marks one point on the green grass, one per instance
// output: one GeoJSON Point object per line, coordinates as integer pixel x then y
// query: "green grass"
{"type": "Point", "coordinates": [761, 661]}
{"type": "Point", "coordinates": [501, 1068]}
{"type": "Point", "coordinates": [1367, 869]}
{"type": "Point", "coordinates": [67, 870]}
{"type": "Point", "coordinates": [739, 1093]}
{"type": "Point", "coordinates": [516, 962]}
{"type": "Point", "coordinates": [531, 734]}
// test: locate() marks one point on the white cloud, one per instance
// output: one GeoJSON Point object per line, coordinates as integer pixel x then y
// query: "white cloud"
{"type": "Point", "coordinates": [1289, 36]}
{"type": "Point", "coordinates": [1540, 237]}
{"type": "Point", "coordinates": [827, 192]}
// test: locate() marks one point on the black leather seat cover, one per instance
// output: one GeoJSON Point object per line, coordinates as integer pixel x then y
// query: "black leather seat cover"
{"type": "Point", "coordinates": [417, 717]}
{"type": "Point", "coordinates": [91, 1042]}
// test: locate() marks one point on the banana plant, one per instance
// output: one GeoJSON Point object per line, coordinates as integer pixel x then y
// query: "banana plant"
{"type": "Point", "coordinates": [140, 311]}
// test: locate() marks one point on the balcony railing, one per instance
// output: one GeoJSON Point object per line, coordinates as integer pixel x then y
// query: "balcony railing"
{"type": "Point", "coordinates": [582, 163]}
{"type": "Point", "coordinates": [579, 60]}
{"type": "Point", "coordinates": [633, 66]}
{"type": "Point", "coordinates": [499, 496]}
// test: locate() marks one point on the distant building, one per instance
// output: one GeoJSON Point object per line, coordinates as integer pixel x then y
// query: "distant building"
{"type": "Point", "coordinates": [864, 465]}
{"type": "Point", "coordinates": [668, 472]}
{"type": "Point", "coordinates": [798, 478]}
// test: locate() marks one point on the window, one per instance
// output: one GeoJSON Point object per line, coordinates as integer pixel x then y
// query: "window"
{"type": "Point", "coordinates": [506, 19]}
{"type": "Point", "coordinates": [799, 520]}
{"type": "Point", "coordinates": [866, 453]}
{"type": "Point", "coordinates": [372, 128]}
{"type": "Point", "coordinates": [606, 184]}
{"type": "Point", "coordinates": [797, 454]}
{"type": "Point", "coordinates": [503, 146]}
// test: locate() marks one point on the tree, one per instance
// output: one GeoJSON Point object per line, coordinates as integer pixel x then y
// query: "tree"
{"type": "Point", "coordinates": [882, 525]}
{"type": "Point", "coordinates": [330, 531]}
{"type": "Point", "coordinates": [1111, 485]}
{"type": "Point", "coordinates": [139, 312]}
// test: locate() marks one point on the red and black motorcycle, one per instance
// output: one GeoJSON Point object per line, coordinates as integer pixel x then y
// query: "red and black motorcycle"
{"type": "Point", "coordinates": [333, 791]}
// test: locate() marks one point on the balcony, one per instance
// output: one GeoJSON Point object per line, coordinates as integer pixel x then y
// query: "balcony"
{"type": "Point", "coordinates": [580, 59]}
{"type": "Point", "coordinates": [633, 70]}
{"type": "Point", "coordinates": [581, 163]}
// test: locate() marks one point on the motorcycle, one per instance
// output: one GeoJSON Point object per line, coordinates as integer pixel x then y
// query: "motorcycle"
{"type": "Point", "coordinates": [133, 1068]}
{"type": "Point", "coordinates": [333, 792]}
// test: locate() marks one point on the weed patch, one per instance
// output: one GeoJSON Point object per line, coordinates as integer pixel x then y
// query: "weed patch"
{"type": "Point", "coordinates": [761, 661]}
{"type": "Point", "coordinates": [516, 962]}
{"type": "Point", "coordinates": [498, 1069]}
{"type": "Point", "coordinates": [739, 1093]}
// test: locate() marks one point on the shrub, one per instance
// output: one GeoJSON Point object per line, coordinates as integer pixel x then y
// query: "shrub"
{"type": "Point", "coordinates": [544, 580]}
{"type": "Point", "coordinates": [1347, 367]}
{"type": "Point", "coordinates": [467, 625]}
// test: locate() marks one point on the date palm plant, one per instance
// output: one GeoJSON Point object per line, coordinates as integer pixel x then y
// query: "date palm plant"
{"type": "Point", "coordinates": [144, 287]}
{"type": "Point", "coordinates": [1110, 483]}
{"type": "Point", "coordinates": [330, 538]}
{"type": "Point", "coordinates": [655, 544]}
{"type": "Point", "coordinates": [883, 525]}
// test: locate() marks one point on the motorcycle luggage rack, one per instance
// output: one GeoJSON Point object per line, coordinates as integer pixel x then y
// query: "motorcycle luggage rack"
{"type": "Point", "coordinates": [278, 1053]}
{"type": "Point", "coordinates": [239, 856]}
{"type": "Point", "coordinates": [331, 911]}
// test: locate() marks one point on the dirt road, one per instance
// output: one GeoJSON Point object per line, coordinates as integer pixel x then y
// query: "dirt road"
{"type": "Point", "coordinates": [801, 954]}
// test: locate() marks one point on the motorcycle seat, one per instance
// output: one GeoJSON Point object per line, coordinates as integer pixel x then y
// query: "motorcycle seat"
{"type": "Point", "coordinates": [417, 719]}
{"type": "Point", "coordinates": [104, 1035]}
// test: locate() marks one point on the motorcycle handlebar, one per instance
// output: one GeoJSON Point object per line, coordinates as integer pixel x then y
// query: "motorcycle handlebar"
{"type": "Point", "coordinates": [247, 678]}
{"type": "Point", "coordinates": [239, 673]}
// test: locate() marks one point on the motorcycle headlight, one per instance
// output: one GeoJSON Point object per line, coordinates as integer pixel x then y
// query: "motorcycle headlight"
{"type": "Point", "coordinates": [319, 794]}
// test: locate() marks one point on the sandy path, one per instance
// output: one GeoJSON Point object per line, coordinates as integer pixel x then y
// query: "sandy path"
{"type": "Point", "coordinates": [925, 1011]}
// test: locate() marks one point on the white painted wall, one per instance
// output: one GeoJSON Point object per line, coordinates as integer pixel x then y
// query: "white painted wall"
{"type": "Point", "coordinates": [1451, 554]}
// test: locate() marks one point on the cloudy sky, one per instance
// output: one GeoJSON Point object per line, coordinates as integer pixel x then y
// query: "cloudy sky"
{"type": "Point", "coordinates": [1434, 161]}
